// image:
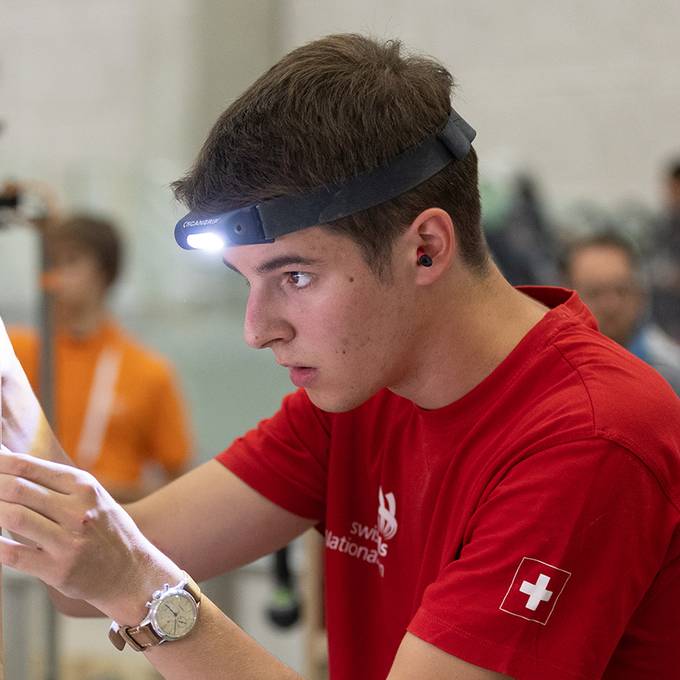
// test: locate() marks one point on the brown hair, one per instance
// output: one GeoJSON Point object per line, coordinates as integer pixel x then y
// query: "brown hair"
{"type": "Point", "coordinates": [673, 170]}
{"type": "Point", "coordinates": [97, 236]}
{"type": "Point", "coordinates": [608, 238]}
{"type": "Point", "coordinates": [330, 110]}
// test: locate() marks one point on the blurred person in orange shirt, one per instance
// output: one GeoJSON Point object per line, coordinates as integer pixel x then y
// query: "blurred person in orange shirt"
{"type": "Point", "coordinates": [119, 412]}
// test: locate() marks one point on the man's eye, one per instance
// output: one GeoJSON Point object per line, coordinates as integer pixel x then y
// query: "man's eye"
{"type": "Point", "coordinates": [299, 279]}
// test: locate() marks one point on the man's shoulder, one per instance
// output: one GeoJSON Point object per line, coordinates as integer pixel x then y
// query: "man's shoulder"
{"type": "Point", "coordinates": [140, 357]}
{"type": "Point", "coordinates": [26, 346]}
{"type": "Point", "coordinates": [614, 380]}
{"type": "Point", "coordinates": [628, 402]}
{"type": "Point", "coordinates": [23, 338]}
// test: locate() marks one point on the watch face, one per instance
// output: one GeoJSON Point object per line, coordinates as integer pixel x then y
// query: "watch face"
{"type": "Point", "coordinates": [175, 615]}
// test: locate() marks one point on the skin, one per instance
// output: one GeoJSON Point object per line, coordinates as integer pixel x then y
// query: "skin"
{"type": "Point", "coordinates": [78, 289]}
{"type": "Point", "coordinates": [606, 281]}
{"type": "Point", "coordinates": [431, 334]}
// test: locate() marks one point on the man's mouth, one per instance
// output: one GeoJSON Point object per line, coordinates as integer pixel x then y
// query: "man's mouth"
{"type": "Point", "coordinates": [302, 376]}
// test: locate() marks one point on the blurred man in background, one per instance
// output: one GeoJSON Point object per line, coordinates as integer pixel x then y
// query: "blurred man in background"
{"type": "Point", "coordinates": [666, 254]}
{"type": "Point", "coordinates": [118, 407]}
{"type": "Point", "coordinates": [606, 272]}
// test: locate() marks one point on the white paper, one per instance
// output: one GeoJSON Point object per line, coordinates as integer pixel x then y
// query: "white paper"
{"type": "Point", "coordinates": [23, 426]}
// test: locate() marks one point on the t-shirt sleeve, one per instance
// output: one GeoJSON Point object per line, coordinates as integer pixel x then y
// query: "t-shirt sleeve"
{"type": "Point", "coordinates": [285, 457]}
{"type": "Point", "coordinates": [170, 438]}
{"type": "Point", "coordinates": [556, 559]}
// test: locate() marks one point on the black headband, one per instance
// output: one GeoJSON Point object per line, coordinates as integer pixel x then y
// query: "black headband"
{"type": "Point", "coordinates": [263, 222]}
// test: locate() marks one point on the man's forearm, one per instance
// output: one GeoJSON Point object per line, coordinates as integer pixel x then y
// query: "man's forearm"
{"type": "Point", "coordinates": [217, 649]}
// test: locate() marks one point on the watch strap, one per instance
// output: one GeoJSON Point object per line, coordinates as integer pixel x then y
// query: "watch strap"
{"type": "Point", "coordinates": [139, 637]}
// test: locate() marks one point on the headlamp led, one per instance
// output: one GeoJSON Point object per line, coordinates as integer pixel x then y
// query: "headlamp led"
{"type": "Point", "coordinates": [263, 222]}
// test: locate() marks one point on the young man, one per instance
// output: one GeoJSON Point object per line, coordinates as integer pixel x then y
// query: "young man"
{"type": "Point", "coordinates": [605, 270]}
{"type": "Point", "coordinates": [119, 411]}
{"type": "Point", "coordinates": [498, 483]}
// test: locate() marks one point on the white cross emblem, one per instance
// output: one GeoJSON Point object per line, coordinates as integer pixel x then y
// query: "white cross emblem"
{"type": "Point", "coordinates": [537, 592]}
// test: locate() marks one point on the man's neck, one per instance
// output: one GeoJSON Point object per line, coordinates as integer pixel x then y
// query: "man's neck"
{"type": "Point", "coordinates": [474, 328]}
{"type": "Point", "coordinates": [81, 323]}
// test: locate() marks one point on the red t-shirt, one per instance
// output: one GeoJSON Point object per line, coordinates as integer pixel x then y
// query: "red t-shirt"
{"type": "Point", "coordinates": [532, 527]}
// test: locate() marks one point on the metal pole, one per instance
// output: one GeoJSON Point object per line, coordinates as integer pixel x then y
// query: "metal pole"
{"type": "Point", "coordinates": [46, 372]}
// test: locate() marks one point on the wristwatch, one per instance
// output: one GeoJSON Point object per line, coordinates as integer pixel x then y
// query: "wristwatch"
{"type": "Point", "coordinates": [173, 612]}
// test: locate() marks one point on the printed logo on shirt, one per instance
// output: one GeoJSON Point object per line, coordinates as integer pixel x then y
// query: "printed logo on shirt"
{"type": "Point", "coordinates": [385, 529]}
{"type": "Point", "coordinates": [534, 590]}
{"type": "Point", "coordinates": [387, 508]}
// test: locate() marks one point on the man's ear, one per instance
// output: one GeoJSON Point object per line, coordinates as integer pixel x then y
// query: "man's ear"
{"type": "Point", "coordinates": [431, 244]}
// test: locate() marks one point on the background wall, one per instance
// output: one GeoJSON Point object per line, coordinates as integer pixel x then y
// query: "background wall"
{"type": "Point", "coordinates": [109, 101]}
{"type": "Point", "coordinates": [584, 94]}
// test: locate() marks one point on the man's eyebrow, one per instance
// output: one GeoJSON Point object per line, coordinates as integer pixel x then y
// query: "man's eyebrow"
{"type": "Point", "coordinates": [284, 261]}
{"type": "Point", "coordinates": [228, 264]}
{"type": "Point", "coordinates": [277, 263]}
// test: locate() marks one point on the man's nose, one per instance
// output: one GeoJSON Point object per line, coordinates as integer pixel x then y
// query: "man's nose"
{"type": "Point", "coordinates": [264, 323]}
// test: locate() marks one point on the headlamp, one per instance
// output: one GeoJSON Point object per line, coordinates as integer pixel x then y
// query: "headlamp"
{"type": "Point", "coordinates": [263, 222]}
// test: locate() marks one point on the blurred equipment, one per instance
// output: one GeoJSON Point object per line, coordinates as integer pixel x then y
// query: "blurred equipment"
{"type": "Point", "coordinates": [27, 203]}
{"type": "Point", "coordinates": [522, 240]}
{"type": "Point", "coordinates": [9, 197]}
{"type": "Point", "coordinates": [284, 609]}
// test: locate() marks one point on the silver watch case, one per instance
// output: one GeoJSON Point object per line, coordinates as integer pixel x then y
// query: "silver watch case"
{"type": "Point", "coordinates": [160, 601]}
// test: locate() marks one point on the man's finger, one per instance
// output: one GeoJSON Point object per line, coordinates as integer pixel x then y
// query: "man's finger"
{"type": "Point", "coordinates": [54, 476]}
{"type": "Point", "coordinates": [25, 492]}
{"type": "Point", "coordinates": [29, 559]}
{"type": "Point", "coordinates": [31, 525]}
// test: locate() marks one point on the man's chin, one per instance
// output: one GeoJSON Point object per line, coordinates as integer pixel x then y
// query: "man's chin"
{"type": "Point", "coordinates": [335, 402]}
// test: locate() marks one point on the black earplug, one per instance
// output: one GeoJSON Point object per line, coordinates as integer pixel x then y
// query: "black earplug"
{"type": "Point", "coordinates": [424, 260]}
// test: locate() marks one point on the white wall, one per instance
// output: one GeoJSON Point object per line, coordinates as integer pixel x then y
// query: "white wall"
{"type": "Point", "coordinates": [109, 101]}
{"type": "Point", "coordinates": [584, 93]}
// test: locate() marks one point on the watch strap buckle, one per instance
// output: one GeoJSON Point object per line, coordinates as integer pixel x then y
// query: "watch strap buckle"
{"type": "Point", "coordinates": [138, 637]}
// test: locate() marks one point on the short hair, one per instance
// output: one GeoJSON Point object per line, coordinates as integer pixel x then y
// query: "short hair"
{"type": "Point", "coordinates": [333, 109]}
{"type": "Point", "coordinates": [98, 236]}
{"type": "Point", "coordinates": [602, 239]}
{"type": "Point", "coordinates": [673, 170]}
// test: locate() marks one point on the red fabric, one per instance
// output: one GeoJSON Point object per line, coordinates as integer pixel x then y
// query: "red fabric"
{"type": "Point", "coordinates": [556, 481]}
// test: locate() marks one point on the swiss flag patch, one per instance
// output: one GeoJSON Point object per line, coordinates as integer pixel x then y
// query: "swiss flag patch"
{"type": "Point", "coordinates": [534, 590]}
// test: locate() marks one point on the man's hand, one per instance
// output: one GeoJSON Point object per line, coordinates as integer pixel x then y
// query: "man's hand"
{"type": "Point", "coordinates": [77, 538]}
